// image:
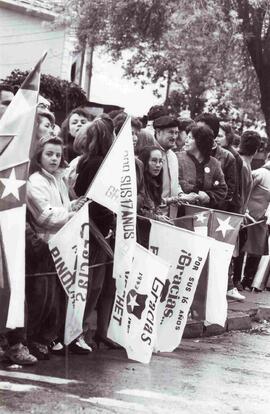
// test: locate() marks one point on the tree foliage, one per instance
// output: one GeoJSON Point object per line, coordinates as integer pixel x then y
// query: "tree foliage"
{"type": "Point", "coordinates": [198, 45]}
{"type": "Point", "coordinates": [64, 95]}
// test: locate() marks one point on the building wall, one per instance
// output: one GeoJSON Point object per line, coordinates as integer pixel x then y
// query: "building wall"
{"type": "Point", "coordinates": [24, 38]}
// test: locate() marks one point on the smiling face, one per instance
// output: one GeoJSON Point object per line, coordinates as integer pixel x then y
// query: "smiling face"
{"type": "Point", "coordinates": [190, 143]}
{"type": "Point", "coordinates": [221, 138]}
{"type": "Point", "coordinates": [155, 163]}
{"type": "Point", "coordinates": [166, 137]}
{"type": "Point", "coordinates": [51, 157]}
{"type": "Point", "coordinates": [76, 121]}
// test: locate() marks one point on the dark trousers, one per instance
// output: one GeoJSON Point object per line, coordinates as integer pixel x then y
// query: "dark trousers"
{"type": "Point", "coordinates": [250, 269]}
{"type": "Point", "coordinates": [105, 302]}
{"type": "Point", "coordinates": [100, 294]}
{"type": "Point", "coordinates": [230, 275]}
{"type": "Point", "coordinates": [46, 308]}
{"type": "Point", "coordinates": [95, 285]}
{"type": "Point", "coordinates": [16, 336]}
{"type": "Point", "coordinates": [238, 261]}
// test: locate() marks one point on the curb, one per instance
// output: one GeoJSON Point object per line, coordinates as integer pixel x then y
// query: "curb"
{"type": "Point", "coordinates": [236, 321]}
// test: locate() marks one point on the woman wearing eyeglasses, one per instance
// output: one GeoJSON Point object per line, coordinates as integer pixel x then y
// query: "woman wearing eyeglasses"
{"type": "Point", "coordinates": [153, 163]}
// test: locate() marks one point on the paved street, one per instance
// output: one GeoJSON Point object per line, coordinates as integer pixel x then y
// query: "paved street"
{"type": "Point", "coordinates": [223, 374]}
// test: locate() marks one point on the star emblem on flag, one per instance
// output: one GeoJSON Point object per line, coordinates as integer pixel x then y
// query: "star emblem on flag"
{"type": "Point", "coordinates": [132, 301]}
{"type": "Point", "coordinates": [12, 185]}
{"type": "Point", "coordinates": [224, 226]}
{"type": "Point", "coordinates": [201, 217]}
{"type": "Point", "coordinates": [136, 303]}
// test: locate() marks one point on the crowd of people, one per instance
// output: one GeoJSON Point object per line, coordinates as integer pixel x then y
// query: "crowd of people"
{"type": "Point", "coordinates": [177, 160]}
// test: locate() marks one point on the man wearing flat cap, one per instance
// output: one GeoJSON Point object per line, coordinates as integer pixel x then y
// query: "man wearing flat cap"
{"type": "Point", "coordinates": [166, 132]}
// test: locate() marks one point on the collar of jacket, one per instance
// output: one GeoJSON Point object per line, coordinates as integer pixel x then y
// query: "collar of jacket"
{"type": "Point", "coordinates": [194, 159]}
{"type": "Point", "coordinates": [53, 177]}
{"type": "Point", "coordinates": [161, 148]}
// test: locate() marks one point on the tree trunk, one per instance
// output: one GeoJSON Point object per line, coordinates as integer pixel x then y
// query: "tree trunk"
{"type": "Point", "coordinates": [168, 87]}
{"type": "Point", "coordinates": [89, 70]}
{"type": "Point", "coordinates": [254, 18]}
{"type": "Point", "coordinates": [264, 83]}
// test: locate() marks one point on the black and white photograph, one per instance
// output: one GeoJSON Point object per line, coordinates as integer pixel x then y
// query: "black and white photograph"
{"type": "Point", "coordinates": [134, 206]}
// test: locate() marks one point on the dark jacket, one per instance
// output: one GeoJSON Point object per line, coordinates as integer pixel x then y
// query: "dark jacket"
{"type": "Point", "coordinates": [235, 205]}
{"type": "Point", "coordinates": [206, 176]}
{"type": "Point", "coordinates": [228, 166]}
{"type": "Point", "coordinates": [69, 152]}
{"type": "Point", "coordinates": [87, 170]}
{"type": "Point", "coordinates": [38, 258]}
{"type": "Point", "coordinates": [140, 182]}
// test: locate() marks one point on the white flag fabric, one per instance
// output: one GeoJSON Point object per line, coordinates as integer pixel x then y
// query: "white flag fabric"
{"type": "Point", "coordinates": [187, 253]}
{"type": "Point", "coordinates": [70, 251]}
{"type": "Point", "coordinates": [16, 131]}
{"type": "Point", "coordinates": [115, 187]}
{"type": "Point", "coordinates": [224, 228]}
{"type": "Point", "coordinates": [107, 185]}
{"type": "Point", "coordinates": [125, 240]}
{"type": "Point", "coordinates": [134, 316]}
{"type": "Point", "coordinates": [218, 267]}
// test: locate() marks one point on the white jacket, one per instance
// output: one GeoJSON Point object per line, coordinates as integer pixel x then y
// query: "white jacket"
{"type": "Point", "coordinates": [48, 200]}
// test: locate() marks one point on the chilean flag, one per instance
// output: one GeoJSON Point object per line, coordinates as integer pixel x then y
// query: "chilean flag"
{"type": "Point", "coordinates": [16, 131]}
{"type": "Point", "coordinates": [210, 303]}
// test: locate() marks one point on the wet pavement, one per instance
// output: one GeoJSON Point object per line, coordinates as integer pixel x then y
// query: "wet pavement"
{"type": "Point", "coordinates": [224, 374]}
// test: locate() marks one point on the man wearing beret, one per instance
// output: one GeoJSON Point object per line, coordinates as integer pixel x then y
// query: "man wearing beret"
{"type": "Point", "coordinates": [166, 132]}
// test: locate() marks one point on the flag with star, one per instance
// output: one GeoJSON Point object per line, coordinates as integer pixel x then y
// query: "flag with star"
{"type": "Point", "coordinates": [134, 317]}
{"type": "Point", "coordinates": [197, 219]}
{"type": "Point", "coordinates": [201, 217]}
{"type": "Point", "coordinates": [16, 131]}
{"type": "Point", "coordinates": [223, 228]}
{"type": "Point", "coordinates": [187, 253]}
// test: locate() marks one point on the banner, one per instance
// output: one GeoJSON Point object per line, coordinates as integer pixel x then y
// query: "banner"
{"type": "Point", "coordinates": [223, 228]}
{"type": "Point", "coordinates": [70, 251]}
{"type": "Point", "coordinates": [134, 315]}
{"type": "Point", "coordinates": [115, 187]}
{"type": "Point", "coordinates": [187, 253]}
{"type": "Point", "coordinates": [125, 239]}
{"type": "Point", "coordinates": [201, 218]}
{"type": "Point", "coordinates": [16, 131]}
{"type": "Point", "coordinates": [107, 185]}
{"type": "Point", "coordinates": [210, 302]}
